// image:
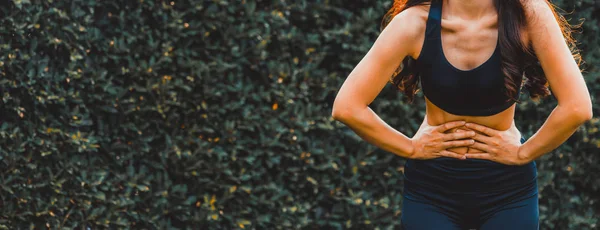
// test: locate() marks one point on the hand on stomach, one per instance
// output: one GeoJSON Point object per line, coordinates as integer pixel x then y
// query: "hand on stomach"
{"type": "Point", "coordinates": [436, 116]}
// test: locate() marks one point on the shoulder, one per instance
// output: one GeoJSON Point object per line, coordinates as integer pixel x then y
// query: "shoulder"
{"type": "Point", "coordinates": [538, 12]}
{"type": "Point", "coordinates": [535, 6]}
{"type": "Point", "coordinates": [539, 16]}
{"type": "Point", "coordinates": [412, 19]}
{"type": "Point", "coordinates": [409, 26]}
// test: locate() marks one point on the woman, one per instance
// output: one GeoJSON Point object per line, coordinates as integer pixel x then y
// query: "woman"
{"type": "Point", "coordinates": [468, 166]}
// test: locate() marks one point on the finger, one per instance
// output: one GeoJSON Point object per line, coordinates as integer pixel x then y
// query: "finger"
{"type": "Point", "coordinates": [486, 130]}
{"type": "Point", "coordinates": [484, 156]}
{"type": "Point", "coordinates": [483, 138]}
{"type": "Point", "coordinates": [483, 147]}
{"type": "Point", "coordinates": [474, 150]}
{"type": "Point", "coordinates": [446, 153]}
{"type": "Point", "coordinates": [449, 125]}
{"type": "Point", "coordinates": [458, 136]}
{"type": "Point", "coordinates": [452, 144]}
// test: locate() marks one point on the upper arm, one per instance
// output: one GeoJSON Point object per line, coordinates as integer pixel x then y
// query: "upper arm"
{"type": "Point", "coordinates": [397, 40]}
{"type": "Point", "coordinates": [562, 71]}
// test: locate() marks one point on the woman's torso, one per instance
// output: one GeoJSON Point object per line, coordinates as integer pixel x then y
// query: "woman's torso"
{"type": "Point", "coordinates": [466, 44]}
{"type": "Point", "coordinates": [436, 116]}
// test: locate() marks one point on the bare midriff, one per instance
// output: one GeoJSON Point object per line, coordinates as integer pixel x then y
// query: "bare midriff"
{"type": "Point", "coordinates": [437, 116]}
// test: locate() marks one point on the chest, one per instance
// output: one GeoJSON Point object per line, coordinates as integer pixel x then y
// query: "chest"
{"type": "Point", "coordinates": [468, 45]}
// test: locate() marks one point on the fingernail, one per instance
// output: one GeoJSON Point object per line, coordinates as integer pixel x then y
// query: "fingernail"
{"type": "Point", "coordinates": [471, 133]}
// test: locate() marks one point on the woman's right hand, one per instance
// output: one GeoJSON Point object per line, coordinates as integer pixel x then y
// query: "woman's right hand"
{"type": "Point", "coordinates": [432, 142]}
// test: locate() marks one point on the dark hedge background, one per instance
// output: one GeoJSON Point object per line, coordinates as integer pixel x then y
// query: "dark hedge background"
{"type": "Point", "coordinates": [216, 115]}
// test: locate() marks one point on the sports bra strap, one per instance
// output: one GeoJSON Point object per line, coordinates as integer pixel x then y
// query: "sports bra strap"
{"type": "Point", "coordinates": [434, 19]}
{"type": "Point", "coordinates": [433, 27]}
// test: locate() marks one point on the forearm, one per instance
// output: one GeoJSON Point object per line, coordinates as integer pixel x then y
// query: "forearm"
{"type": "Point", "coordinates": [370, 127]}
{"type": "Point", "coordinates": [557, 128]}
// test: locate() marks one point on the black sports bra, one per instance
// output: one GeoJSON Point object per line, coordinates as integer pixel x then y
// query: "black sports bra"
{"type": "Point", "coordinates": [475, 92]}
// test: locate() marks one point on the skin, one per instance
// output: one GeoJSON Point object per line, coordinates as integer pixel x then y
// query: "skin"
{"type": "Point", "coordinates": [469, 33]}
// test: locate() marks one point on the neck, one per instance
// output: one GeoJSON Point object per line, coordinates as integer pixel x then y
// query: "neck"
{"type": "Point", "coordinates": [470, 9]}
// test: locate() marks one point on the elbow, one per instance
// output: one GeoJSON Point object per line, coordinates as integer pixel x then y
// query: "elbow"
{"type": "Point", "coordinates": [587, 115]}
{"type": "Point", "coordinates": [339, 109]}
{"type": "Point", "coordinates": [582, 113]}
{"type": "Point", "coordinates": [340, 113]}
{"type": "Point", "coordinates": [345, 109]}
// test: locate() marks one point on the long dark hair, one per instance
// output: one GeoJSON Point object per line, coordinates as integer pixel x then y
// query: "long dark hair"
{"type": "Point", "coordinates": [518, 60]}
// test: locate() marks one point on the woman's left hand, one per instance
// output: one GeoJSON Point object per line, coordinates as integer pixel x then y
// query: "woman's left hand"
{"type": "Point", "coordinates": [499, 146]}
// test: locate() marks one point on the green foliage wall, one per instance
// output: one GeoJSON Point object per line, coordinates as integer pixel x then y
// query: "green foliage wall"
{"type": "Point", "coordinates": [216, 115]}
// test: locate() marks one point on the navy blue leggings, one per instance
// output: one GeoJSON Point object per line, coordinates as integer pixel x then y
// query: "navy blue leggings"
{"type": "Point", "coordinates": [447, 194]}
